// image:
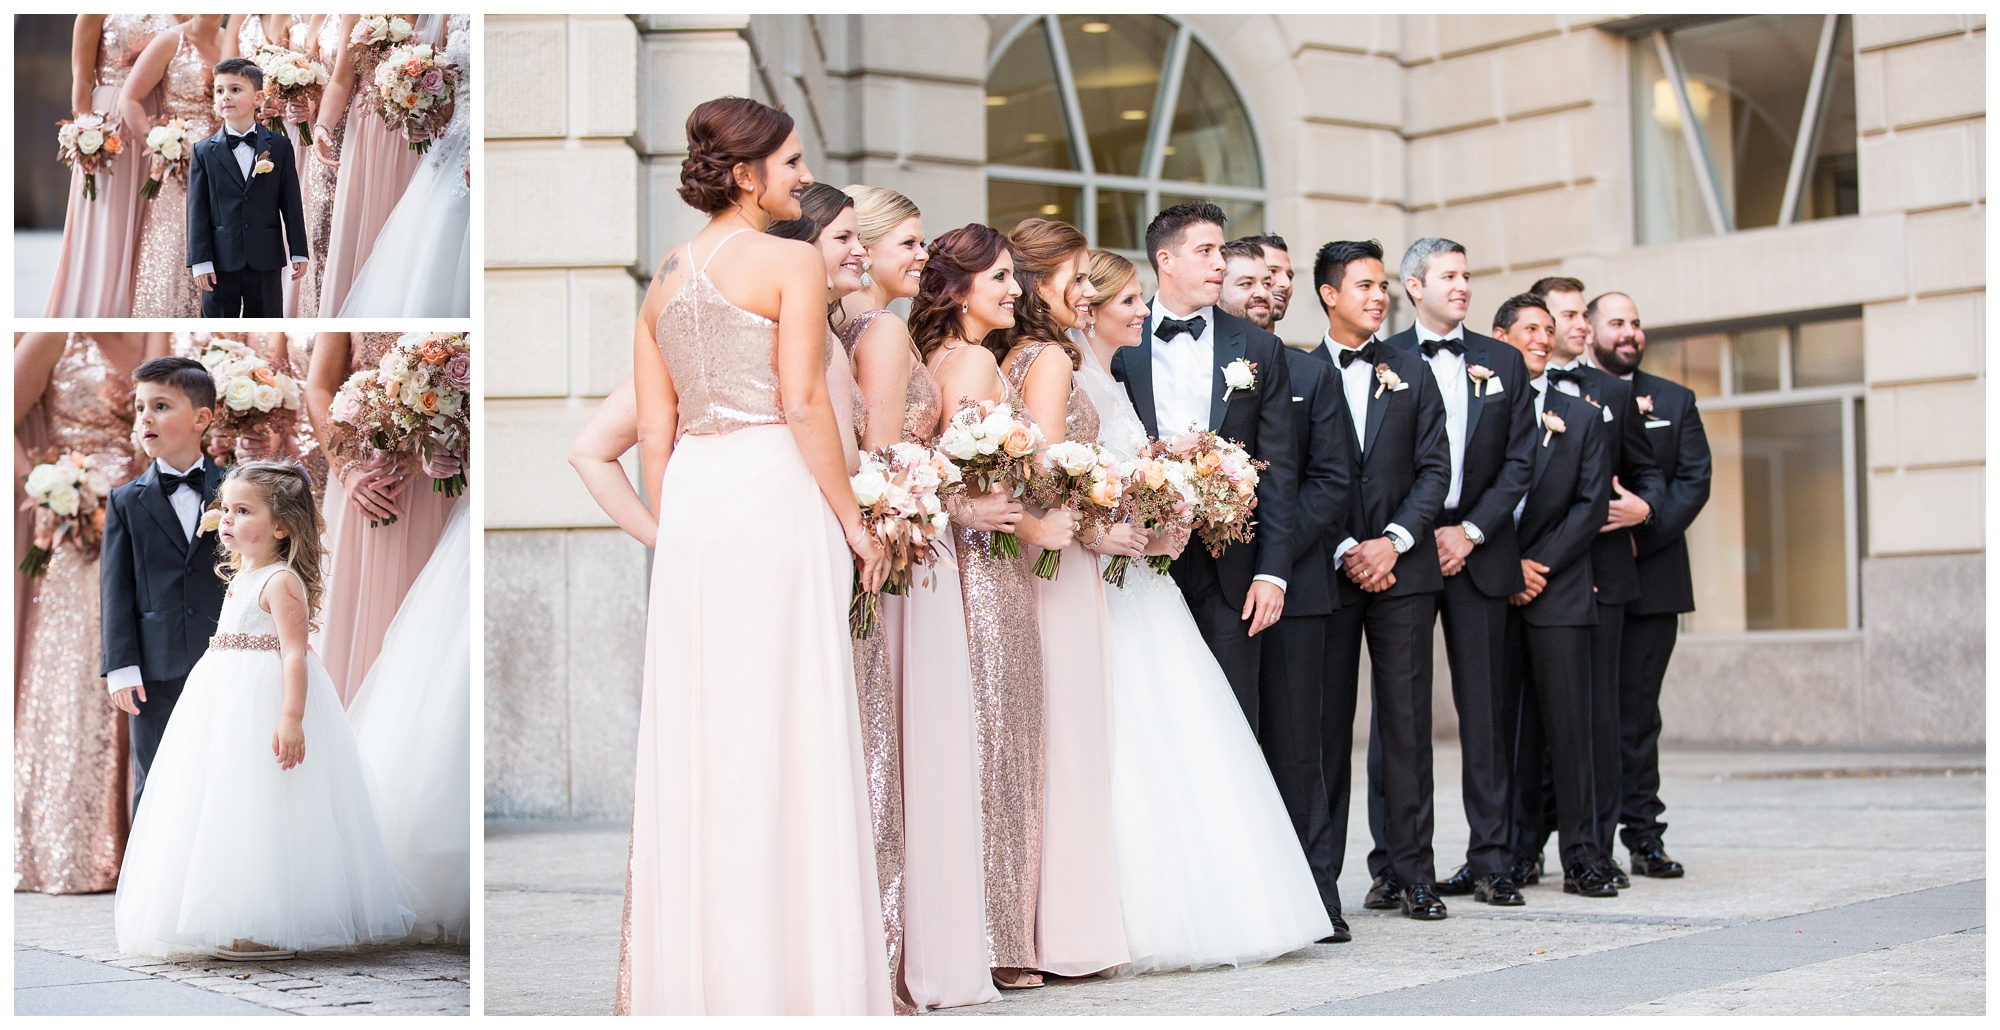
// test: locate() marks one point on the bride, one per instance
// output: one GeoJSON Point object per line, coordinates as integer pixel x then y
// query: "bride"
{"type": "Point", "coordinates": [421, 263]}
{"type": "Point", "coordinates": [1209, 867]}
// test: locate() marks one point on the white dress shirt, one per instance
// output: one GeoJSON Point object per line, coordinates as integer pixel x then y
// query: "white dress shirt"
{"type": "Point", "coordinates": [246, 156]}
{"type": "Point", "coordinates": [187, 507]}
{"type": "Point", "coordinates": [1450, 372]}
{"type": "Point", "coordinates": [1569, 386]}
{"type": "Point", "coordinates": [1183, 373]}
{"type": "Point", "coordinates": [1355, 380]}
{"type": "Point", "coordinates": [1541, 385]}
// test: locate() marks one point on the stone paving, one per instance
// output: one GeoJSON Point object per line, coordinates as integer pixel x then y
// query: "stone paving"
{"type": "Point", "coordinates": [1880, 856]}
{"type": "Point", "coordinates": [409, 980]}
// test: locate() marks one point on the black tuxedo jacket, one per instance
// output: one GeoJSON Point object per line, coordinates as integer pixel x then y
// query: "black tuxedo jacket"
{"type": "Point", "coordinates": [1629, 456]}
{"type": "Point", "coordinates": [1681, 447]}
{"type": "Point", "coordinates": [256, 223]}
{"type": "Point", "coordinates": [1565, 509]}
{"type": "Point", "coordinates": [1326, 479]}
{"type": "Point", "coordinates": [1499, 458]}
{"type": "Point", "coordinates": [159, 594]}
{"type": "Point", "coordinates": [1260, 419]}
{"type": "Point", "coordinates": [1403, 470]}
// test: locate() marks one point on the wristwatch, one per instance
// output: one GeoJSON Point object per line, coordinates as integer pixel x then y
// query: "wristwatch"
{"type": "Point", "coordinates": [1472, 533]}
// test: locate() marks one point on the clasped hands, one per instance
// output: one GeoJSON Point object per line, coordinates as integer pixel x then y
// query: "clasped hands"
{"type": "Point", "coordinates": [1371, 564]}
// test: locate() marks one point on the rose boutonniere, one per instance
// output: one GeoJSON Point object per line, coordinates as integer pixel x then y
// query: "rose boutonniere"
{"type": "Point", "coordinates": [211, 520]}
{"type": "Point", "coordinates": [1389, 379]}
{"type": "Point", "coordinates": [1238, 375]}
{"type": "Point", "coordinates": [263, 164]}
{"type": "Point", "coordinates": [1645, 402]}
{"type": "Point", "coordinates": [1552, 424]}
{"type": "Point", "coordinates": [1486, 384]}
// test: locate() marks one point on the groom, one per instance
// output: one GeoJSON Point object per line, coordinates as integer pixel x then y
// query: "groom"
{"type": "Point", "coordinates": [1197, 365]}
{"type": "Point", "coordinates": [244, 208]}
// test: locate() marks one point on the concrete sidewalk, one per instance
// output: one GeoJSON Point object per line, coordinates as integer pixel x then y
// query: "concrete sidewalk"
{"type": "Point", "coordinates": [1820, 883]}
{"type": "Point", "coordinates": [66, 963]}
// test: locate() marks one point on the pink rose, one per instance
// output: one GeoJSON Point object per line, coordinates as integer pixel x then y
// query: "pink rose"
{"type": "Point", "coordinates": [458, 371]}
{"type": "Point", "coordinates": [433, 81]}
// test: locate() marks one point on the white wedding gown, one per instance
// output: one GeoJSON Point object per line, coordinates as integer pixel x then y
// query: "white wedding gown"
{"type": "Point", "coordinates": [1209, 868]}
{"type": "Point", "coordinates": [421, 264]}
{"type": "Point", "coordinates": [412, 719]}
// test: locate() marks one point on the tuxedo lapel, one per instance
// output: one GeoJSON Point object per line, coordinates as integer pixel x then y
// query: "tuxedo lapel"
{"type": "Point", "coordinates": [1378, 401]}
{"type": "Point", "coordinates": [1543, 451]}
{"type": "Point", "coordinates": [1475, 354]}
{"type": "Point", "coordinates": [154, 500]}
{"type": "Point", "coordinates": [1139, 378]}
{"type": "Point", "coordinates": [222, 155]}
{"type": "Point", "coordinates": [1228, 347]}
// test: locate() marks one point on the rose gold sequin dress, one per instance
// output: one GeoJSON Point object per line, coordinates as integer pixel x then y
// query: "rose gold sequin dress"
{"type": "Point", "coordinates": [166, 288]}
{"type": "Point", "coordinates": [752, 881]}
{"type": "Point", "coordinates": [1005, 652]}
{"type": "Point", "coordinates": [373, 566]}
{"type": "Point", "coordinates": [321, 180]}
{"type": "Point", "coordinates": [942, 918]}
{"type": "Point", "coordinates": [376, 164]}
{"type": "Point", "coordinates": [70, 754]}
{"type": "Point", "coordinates": [101, 237]}
{"type": "Point", "coordinates": [1082, 927]}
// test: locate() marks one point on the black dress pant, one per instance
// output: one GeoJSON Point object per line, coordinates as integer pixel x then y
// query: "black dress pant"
{"type": "Point", "coordinates": [149, 726]}
{"type": "Point", "coordinates": [1606, 749]}
{"type": "Point", "coordinates": [1649, 645]}
{"type": "Point", "coordinates": [1291, 694]}
{"type": "Point", "coordinates": [1227, 634]}
{"type": "Point", "coordinates": [245, 293]}
{"type": "Point", "coordinates": [1398, 631]}
{"type": "Point", "coordinates": [1475, 638]}
{"type": "Point", "coordinates": [1550, 674]}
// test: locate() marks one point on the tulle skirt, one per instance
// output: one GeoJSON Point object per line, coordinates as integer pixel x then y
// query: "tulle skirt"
{"type": "Point", "coordinates": [228, 846]}
{"type": "Point", "coordinates": [421, 263]}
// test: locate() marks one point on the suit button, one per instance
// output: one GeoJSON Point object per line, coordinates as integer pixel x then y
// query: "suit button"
{"type": "Point", "coordinates": [1367, 479]}
{"type": "Point", "coordinates": [190, 611]}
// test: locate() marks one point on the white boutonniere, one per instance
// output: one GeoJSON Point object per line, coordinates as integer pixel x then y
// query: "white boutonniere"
{"type": "Point", "coordinates": [1487, 384]}
{"type": "Point", "coordinates": [1238, 375]}
{"type": "Point", "coordinates": [1552, 424]}
{"type": "Point", "coordinates": [211, 520]}
{"type": "Point", "coordinates": [263, 164]}
{"type": "Point", "coordinates": [1389, 379]}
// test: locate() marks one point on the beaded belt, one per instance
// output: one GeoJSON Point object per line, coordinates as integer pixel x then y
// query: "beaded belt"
{"type": "Point", "coordinates": [243, 642]}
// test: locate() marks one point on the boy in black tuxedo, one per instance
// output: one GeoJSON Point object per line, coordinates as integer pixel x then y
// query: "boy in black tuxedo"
{"type": "Point", "coordinates": [158, 589]}
{"type": "Point", "coordinates": [244, 209]}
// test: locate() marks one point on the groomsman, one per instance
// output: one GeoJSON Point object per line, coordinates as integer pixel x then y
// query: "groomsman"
{"type": "Point", "coordinates": [1550, 623]}
{"type": "Point", "coordinates": [1291, 681]}
{"type": "Point", "coordinates": [1652, 622]}
{"type": "Point", "coordinates": [1386, 565]}
{"type": "Point", "coordinates": [1489, 422]}
{"type": "Point", "coordinates": [1279, 260]}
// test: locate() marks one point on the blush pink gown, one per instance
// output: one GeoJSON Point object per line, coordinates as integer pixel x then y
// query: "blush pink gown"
{"type": "Point", "coordinates": [376, 164]}
{"type": "Point", "coordinates": [1082, 925]}
{"type": "Point", "coordinates": [751, 889]}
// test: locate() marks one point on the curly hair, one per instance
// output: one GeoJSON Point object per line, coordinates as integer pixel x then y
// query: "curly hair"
{"type": "Point", "coordinates": [287, 490]}
{"type": "Point", "coordinates": [721, 134]}
{"type": "Point", "coordinates": [957, 257]}
{"type": "Point", "coordinates": [1041, 247]}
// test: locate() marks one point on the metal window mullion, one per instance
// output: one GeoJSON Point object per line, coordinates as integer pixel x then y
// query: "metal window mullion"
{"type": "Point", "coordinates": [1079, 136]}
{"type": "Point", "coordinates": [1165, 102]}
{"type": "Point", "coordinates": [1851, 501]}
{"type": "Point", "coordinates": [1790, 336]}
{"type": "Point", "coordinates": [1045, 176]}
{"type": "Point", "coordinates": [1810, 120]}
{"type": "Point", "coordinates": [1086, 211]}
{"type": "Point", "coordinates": [1697, 142]}
{"type": "Point", "coordinates": [1775, 399]}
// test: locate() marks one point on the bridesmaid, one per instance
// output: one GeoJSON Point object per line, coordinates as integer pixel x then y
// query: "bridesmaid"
{"type": "Point", "coordinates": [1082, 928]}
{"type": "Point", "coordinates": [944, 914]}
{"type": "Point", "coordinates": [178, 61]}
{"type": "Point", "coordinates": [967, 293]}
{"type": "Point", "coordinates": [70, 754]}
{"type": "Point", "coordinates": [376, 160]}
{"type": "Point", "coordinates": [373, 566]}
{"type": "Point", "coordinates": [327, 38]}
{"type": "Point", "coordinates": [100, 251]}
{"type": "Point", "coordinates": [751, 886]}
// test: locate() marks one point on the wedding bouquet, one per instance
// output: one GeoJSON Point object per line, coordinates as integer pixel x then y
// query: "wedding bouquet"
{"type": "Point", "coordinates": [414, 401]}
{"type": "Point", "coordinates": [88, 143]}
{"type": "Point", "coordinates": [254, 397]}
{"type": "Point", "coordinates": [380, 33]}
{"type": "Point", "coordinates": [1159, 494]}
{"type": "Point", "coordinates": [288, 76]}
{"type": "Point", "coordinates": [416, 86]}
{"type": "Point", "coordinates": [67, 496]}
{"type": "Point", "coordinates": [172, 141]}
{"type": "Point", "coordinates": [902, 491]}
{"type": "Point", "coordinates": [1225, 487]}
{"type": "Point", "coordinates": [1080, 477]}
{"type": "Point", "coordinates": [993, 448]}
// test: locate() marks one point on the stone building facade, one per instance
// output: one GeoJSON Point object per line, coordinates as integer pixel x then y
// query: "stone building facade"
{"type": "Point", "coordinates": [1838, 345]}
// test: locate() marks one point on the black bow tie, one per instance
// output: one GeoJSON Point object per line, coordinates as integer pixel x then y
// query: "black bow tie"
{"type": "Point", "coordinates": [230, 141]}
{"type": "Point", "coordinates": [192, 480]}
{"type": "Point", "coordinates": [1364, 353]}
{"type": "Point", "coordinates": [1172, 327]}
{"type": "Point", "coordinates": [1431, 347]}
{"type": "Point", "coordinates": [1557, 375]}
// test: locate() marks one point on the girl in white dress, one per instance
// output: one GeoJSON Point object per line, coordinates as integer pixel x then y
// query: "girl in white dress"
{"type": "Point", "coordinates": [248, 844]}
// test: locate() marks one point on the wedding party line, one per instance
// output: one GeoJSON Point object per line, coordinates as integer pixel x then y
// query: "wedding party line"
{"type": "Point", "coordinates": [274, 165]}
{"type": "Point", "coordinates": [1020, 635]}
{"type": "Point", "coordinates": [243, 642]}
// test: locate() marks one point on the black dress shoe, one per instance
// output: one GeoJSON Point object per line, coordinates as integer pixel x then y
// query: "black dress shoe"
{"type": "Point", "coordinates": [1421, 902]}
{"type": "Point", "coordinates": [1526, 873]}
{"type": "Point", "coordinates": [1497, 889]}
{"type": "Point", "coordinates": [1383, 894]}
{"type": "Point", "coordinates": [1617, 875]}
{"type": "Point", "coordinates": [1650, 859]}
{"type": "Point", "coordinates": [1460, 883]}
{"type": "Point", "coordinates": [1589, 881]}
{"type": "Point", "coordinates": [1340, 934]}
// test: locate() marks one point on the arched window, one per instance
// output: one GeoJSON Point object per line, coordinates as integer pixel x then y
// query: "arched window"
{"type": "Point", "coordinates": [1102, 120]}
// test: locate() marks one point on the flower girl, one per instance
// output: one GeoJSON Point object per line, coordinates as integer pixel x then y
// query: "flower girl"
{"type": "Point", "coordinates": [248, 845]}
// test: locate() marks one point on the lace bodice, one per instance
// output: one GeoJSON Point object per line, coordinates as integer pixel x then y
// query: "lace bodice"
{"type": "Point", "coordinates": [1080, 421]}
{"type": "Point", "coordinates": [723, 359]}
{"type": "Point", "coordinates": [89, 408]}
{"type": "Point", "coordinates": [241, 613]}
{"type": "Point", "coordinates": [1122, 434]}
{"type": "Point", "coordinates": [187, 86]}
{"type": "Point", "coordinates": [122, 39]}
{"type": "Point", "coordinates": [922, 404]}
{"type": "Point", "coordinates": [448, 155]}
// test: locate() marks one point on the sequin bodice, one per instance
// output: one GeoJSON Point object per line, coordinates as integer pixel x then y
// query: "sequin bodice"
{"type": "Point", "coordinates": [330, 42]}
{"type": "Point", "coordinates": [187, 89]}
{"type": "Point", "coordinates": [367, 349]}
{"type": "Point", "coordinates": [724, 360]}
{"type": "Point", "coordinates": [1080, 419]}
{"type": "Point", "coordinates": [251, 35]}
{"type": "Point", "coordinates": [923, 406]}
{"type": "Point", "coordinates": [240, 610]}
{"type": "Point", "coordinates": [122, 39]}
{"type": "Point", "coordinates": [89, 408]}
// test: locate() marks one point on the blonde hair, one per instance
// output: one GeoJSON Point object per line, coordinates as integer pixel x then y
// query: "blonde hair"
{"type": "Point", "coordinates": [287, 490]}
{"type": "Point", "coordinates": [1108, 275]}
{"type": "Point", "coordinates": [879, 209]}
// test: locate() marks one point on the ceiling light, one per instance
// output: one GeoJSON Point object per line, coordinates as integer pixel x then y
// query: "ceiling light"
{"type": "Point", "coordinates": [1134, 115]}
{"type": "Point", "coordinates": [1035, 137]}
{"type": "Point", "coordinates": [1095, 27]}
{"type": "Point", "coordinates": [1051, 209]}
{"type": "Point", "coordinates": [994, 100]}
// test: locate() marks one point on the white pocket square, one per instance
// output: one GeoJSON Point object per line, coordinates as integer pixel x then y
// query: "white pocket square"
{"type": "Point", "coordinates": [1298, 400]}
{"type": "Point", "coordinates": [1495, 386]}
{"type": "Point", "coordinates": [1657, 423]}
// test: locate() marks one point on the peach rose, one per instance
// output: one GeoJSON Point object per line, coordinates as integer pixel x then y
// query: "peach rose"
{"type": "Point", "coordinates": [1104, 492]}
{"type": "Point", "coordinates": [1208, 463]}
{"type": "Point", "coordinates": [1019, 441]}
{"type": "Point", "coordinates": [428, 402]}
{"type": "Point", "coordinates": [435, 352]}
{"type": "Point", "coordinates": [265, 376]}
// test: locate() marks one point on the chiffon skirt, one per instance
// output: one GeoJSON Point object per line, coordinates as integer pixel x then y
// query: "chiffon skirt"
{"type": "Point", "coordinates": [1208, 864]}
{"type": "Point", "coordinates": [752, 885]}
{"type": "Point", "coordinates": [100, 254]}
{"type": "Point", "coordinates": [1081, 930]}
{"type": "Point", "coordinates": [373, 567]}
{"type": "Point", "coordinates": [412, 720]}
{"type": "Point", "coordinates": [376, 164]}
{"type": "Point", "coordinates": [944, 883]}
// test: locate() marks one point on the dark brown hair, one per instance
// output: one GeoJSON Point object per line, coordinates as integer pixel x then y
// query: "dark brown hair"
{"type": "Point", "coordinates": [1556, 284]}
{"type": "Point", "coordinates": [721, 134]}
{"type": "Point", "coordinates": [1169, 227]}
{"type": "Point", "coordinates": [1250, 249]}
{"type": "Point", "coordinates": [1041, 246]}
{"type": "Point", "coordinates": [819, 205]}
{"type": "Point", "coordinates": [184, 374]}
{"type": "Point", "coordinates": [956, 258]}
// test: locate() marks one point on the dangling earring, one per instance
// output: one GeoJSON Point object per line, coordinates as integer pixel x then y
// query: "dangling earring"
{"type": "Point", "coordinates": [866, 279]}
{"type": "Point", "coordinates": [965, 309]}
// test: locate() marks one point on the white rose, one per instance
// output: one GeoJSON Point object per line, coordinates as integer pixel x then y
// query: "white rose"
{"type": "Point", "coordinates": [1236, 375]}
{"type": "Point", "coordinates": [89, 140]}
{"type": "Point", "coordinates": [938, 523]}
{"type": "Point", "coordinates": [43, 479]}
{"type": "Point", "coordinates": [399, 30]}
{"type": "Point", "coordinates": [289, 387]}
{"type": "Point", "coordinates": [158, 134]}
{"type": "Point", "coordinates": [240, 394]}
{"type": "Point", "coordinates": [923, 478]}
{"type": "Point", "coordinates": [869, 486]}
{"type": "Point", "coordinates": [958, 442]}
{"type": "Point", "coordinates": [67, 134]}
{"type": "Point", "coordinates": [63, 499]}
{"type": "Point", "coordinates": [266, 397]}
{"type": "Point", "coordinates": [1072, 457]}
{"type": "Point", "coordinates": [449, 401]}
{"type": "Point", "coordinates": [171, 150]}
